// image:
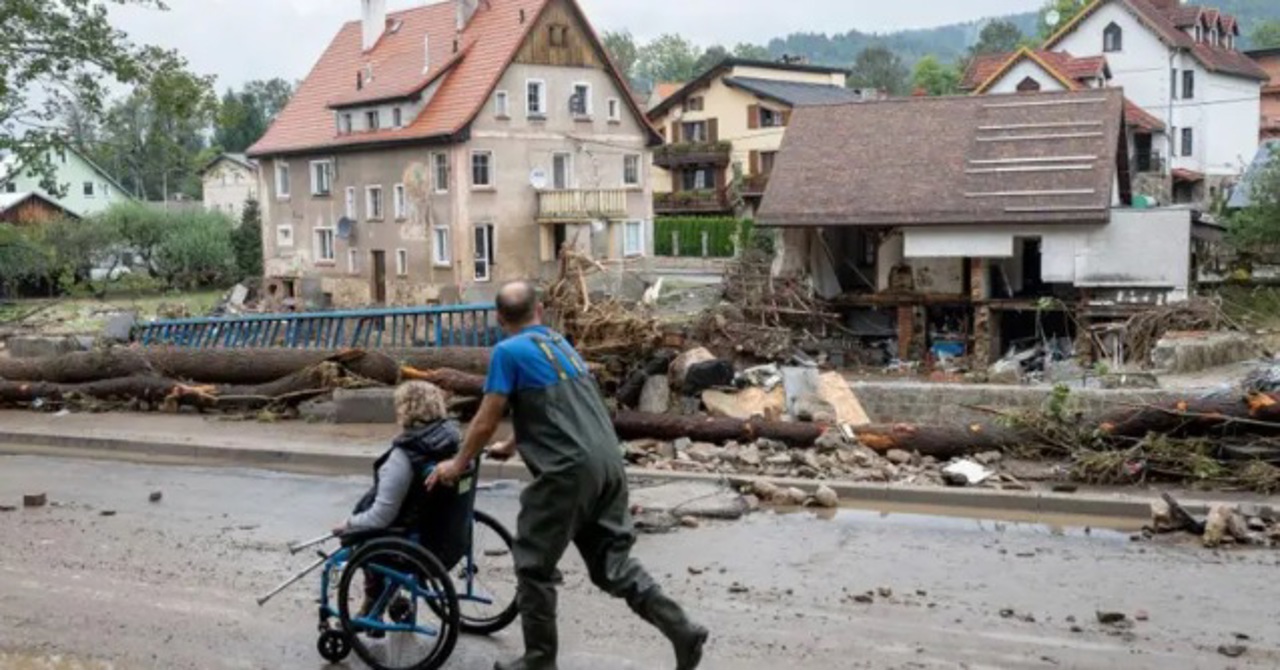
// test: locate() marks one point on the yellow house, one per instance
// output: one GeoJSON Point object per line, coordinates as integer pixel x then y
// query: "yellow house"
{"type": "Point", "coordinates": [734, 114]}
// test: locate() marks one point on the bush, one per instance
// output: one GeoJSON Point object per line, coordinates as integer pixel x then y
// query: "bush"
{"type": "Point", "coordinates": [197, 251]}
{"type": "Point", "coordinates": [247, 241]}
{"type": "Point", "coordinates": [140, 228]}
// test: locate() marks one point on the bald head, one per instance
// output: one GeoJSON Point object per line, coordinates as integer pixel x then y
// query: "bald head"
{"type": "Point", "coordinates": [517, 304]}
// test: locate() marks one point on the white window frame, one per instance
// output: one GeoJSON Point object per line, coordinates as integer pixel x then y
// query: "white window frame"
{"type": "Point", "coordinates": [350, 206]}
{"type": "Point", "coordinates": [502, 105]}
{"type": "Point", "coordinates": [568, 170]}
{"type": "Point", "coordinates": [327, 165]}
{"type": "Point", "coordinates": [282, 181]}
{"type": "Point", "coordinates": [490, 257]}
{"type": "Point", "coordinates": [627, 249]}
{"type": "Point", "coordinates": [374, 207]}
{"type": "Point", "coordinates": [541, 112]}
{"type": "Point", "coordinates": [588, 108]}
{"type": "Point", "coordinates": [284, 235]}
{"type": "Point", "coordinates": [614, 108]}
{"type": "Point", "coordinates": [317, 236]}
{"type": "Point", "coordinates": [440, 253]}
{"type": "Point", "coordinates": [402, 262]}
{"type": "Point", "coordinates": [639, 180]}
{"type": "Point", "coordinates": [353, 261]}
{"type": "Point", "coordinates": [345, 123]}
{"type": "Point", "coordinates": [489, 169]}
{"type": "Point", "coordinates": [399, 202]}
{"type": "Point", "coordinates": [439, 161]}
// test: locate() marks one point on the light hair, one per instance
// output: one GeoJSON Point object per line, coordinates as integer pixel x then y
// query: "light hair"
{"type": "Point", "coordinates": [419, 402]}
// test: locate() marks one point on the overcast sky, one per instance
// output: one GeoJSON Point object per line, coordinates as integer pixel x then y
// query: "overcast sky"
{"type": "Point", "coordinates": [241, 40]}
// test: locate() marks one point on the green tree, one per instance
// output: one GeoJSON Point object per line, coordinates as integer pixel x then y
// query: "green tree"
{"type": "Point", "coordinates": [1257, 227]}
{"type": "Point", "coordinates": [668, 58]}
{"type": "Point", "coordinates": [239, 122]}
{"type": "Point", "coordinates": [197, 251]}
{"type": "Point", "coordinates": [934, 78]}
{"type": "Point", "coordinates": [751, 51]}
{"type": "Point", "coordinates": [997, 37]}
{"type": "Point", "coordinates": [622, 48]}
{"type": "Point", "coordinates": [1265, 34]}
{"type": "Point", "coordinates": [141, 228]}
{"type": "Point", "coordinates": [54, 51]}
{"type": "Point", "coordinates": [271, 96]}
{"type": "Point", "coordinates": [77, 247]}
{"type": "Point", "coordinates": [247, 241]}
{"type": "Point", "coordinates": [21, 258]}
{"type": "Point", "coordinates": [881, 69]}
{"type": "Point", "coordinates": [1066, 11]}
{"type": "Point", "coordinates": [709, 59]}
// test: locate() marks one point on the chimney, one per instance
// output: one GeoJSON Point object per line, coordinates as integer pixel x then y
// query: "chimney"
{"type": "Point", "coordinates": [373, 20]}
{"type": "Point", "coordinates": [466, 9]}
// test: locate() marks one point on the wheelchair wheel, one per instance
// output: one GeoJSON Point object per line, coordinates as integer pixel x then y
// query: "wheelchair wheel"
{"type": "Point", "coordinates": [411, 601]}
{"type": "Point", "coordinates": [487, 582]}
{"type": "Point", "coordinates": [334, 646]}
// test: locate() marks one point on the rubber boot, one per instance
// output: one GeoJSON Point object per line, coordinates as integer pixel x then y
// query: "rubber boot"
{"type": "Point", "coordinates": [541, 641]}
{"type": "Point", "coordinates": [667, 616]}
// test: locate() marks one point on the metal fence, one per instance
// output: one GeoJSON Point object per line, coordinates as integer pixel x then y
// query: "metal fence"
{"type": "Point", "coordinates": [454, 325]}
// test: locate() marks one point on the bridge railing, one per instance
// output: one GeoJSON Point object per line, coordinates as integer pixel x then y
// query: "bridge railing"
{"type": "Point", "coordinates": [453, 325]}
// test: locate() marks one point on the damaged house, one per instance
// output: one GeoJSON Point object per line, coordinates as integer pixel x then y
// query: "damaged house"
{"type": "Point", "coordinates": [961, 225]}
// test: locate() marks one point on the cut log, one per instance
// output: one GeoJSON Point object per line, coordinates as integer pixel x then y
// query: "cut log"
{"type": "Point", "coordinates": [941, 442]}
{"type": "Point", "coordinates": [1219, 414]}
{"type": "Point", "coordinates": [230, 366]}
{"type": "Point", "coordinates": [638, 425]}
{"type": "Point", "coordinates": [453, 381]}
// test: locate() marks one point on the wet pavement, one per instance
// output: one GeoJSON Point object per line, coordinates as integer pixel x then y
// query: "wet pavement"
{"type": "Point", "coordinates": [172, 584]}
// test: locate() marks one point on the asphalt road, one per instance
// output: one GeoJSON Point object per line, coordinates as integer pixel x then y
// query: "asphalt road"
{"type": "Point", "coordinates": [172, 585]}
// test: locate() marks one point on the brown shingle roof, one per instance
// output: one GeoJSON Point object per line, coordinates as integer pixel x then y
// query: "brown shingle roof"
{"type": "Point", "coordinates": [1029, 158]}
{"type": "Point", "coordinates": [486, 48]}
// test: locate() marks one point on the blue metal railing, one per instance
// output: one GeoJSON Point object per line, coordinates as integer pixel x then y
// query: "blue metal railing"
{"type": "Point", "coordinates": [454, 325]}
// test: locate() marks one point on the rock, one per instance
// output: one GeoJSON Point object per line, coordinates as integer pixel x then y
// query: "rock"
{"type": "Point", "coordinates": [989, 457]}
{"type": "Point", "coordinates": [655, 397]}
{"type": "Point", "coordinates": [680, 366]}
{"type": "Point", "coordinates": [119, 328]}
{"type": "Point", "coordinates": [807, 458]}
{"type": "Point", "coordinates": [667, 450]}
{"type": "Point", "coordinates": [1238, 528]}
{"type": "Point", "coordinates": [655, 521]}
{"type": "Point", "coordinates": [738, 588]}
{"type": "Point", "coordinates": [1077, 629]}
{"type": "Point", "coordinates": [778, 459]}
{"type": "Point", "coordinates": [1216, 525]}
{"type": "Point", "coordinates": [1256, 524]}
{"type": "Point", "coordinates": [1161, 515]}
{"type": "Point", "coordinates": [826, 497]}
{"type": "Point", "coordinates": [1111, 618]}
{"type": "Point", "coordinates": [1232, 650]}
{"type": "Point", "coordinates": [8, 508]}
{"type": "Point", "coordinates": [898, 457]}
{"type": "Point", "coordinates": [696, 571]}
{"type": "Point", "coordinates": [156, 496]}
{"type": "Point", "coordinates": [954, 479]}
{"type": "Point", "coordinates": [812, 408]}
{"type": "Point", "coordinates": [682, 444]}
{"type": "Point", "coordinates": [831, 440]}
{"type": "Point", "coordinates": [745, 404]}
{"type": "Point", "coordinates": [1141, 615]}
{"type": "Point", "coordinates": [864, 598]}
{"type": "Point", "coordinates": [37, 500]}
{"type": "Point", "coordinates": [107, 512]}
{"type": "Point", "coordinates": [793, 496]}
{"type": "Point", "coordinates": [766, 490]}
{"type": "Point", "coordinates": [885, 592]}
{"type": "Point", "coordinates": [750, 455]}
{"type": "Point", "coordinates": [707, 375]}
{"type": "Point", "coordinates": [751, 502]}
{"type": "Point", "coordinates": [765, 444]}
{"type": "Point", "coordinates": [689, 522]}
{"type": "Point", "coordinates": [1006, 613]}
{"type": "Point", "coordinates": [702, 452]}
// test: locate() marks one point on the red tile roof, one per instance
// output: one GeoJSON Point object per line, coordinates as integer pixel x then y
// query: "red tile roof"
{"type": "Point", "coordinates": [1137, 117]}
{"type": "Point", "coordinates": [1186, 15]}
{"type": "Point", "coordinates": [981, 68]}
{"type": "Point", "coordinates": [485, 49]}
{"type": "Point", "coordinates": [1189, 176]}
{"type": "Point", "coordinates": [666, 89]}
{"type": "Point", "coordinates": [1064, 65]}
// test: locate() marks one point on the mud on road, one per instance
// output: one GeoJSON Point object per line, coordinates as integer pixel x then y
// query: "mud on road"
{"type": "Point", "coordinates": [171, 584]}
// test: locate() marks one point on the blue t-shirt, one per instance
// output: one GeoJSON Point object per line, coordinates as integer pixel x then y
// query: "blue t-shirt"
{"type": "Point", "coordinates": [521, 362]}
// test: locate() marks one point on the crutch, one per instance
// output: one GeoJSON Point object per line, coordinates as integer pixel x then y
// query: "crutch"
{"type": "Point", "coordinates": [295, 548]}
{"type": "Point", "coordinates": [324, 558]}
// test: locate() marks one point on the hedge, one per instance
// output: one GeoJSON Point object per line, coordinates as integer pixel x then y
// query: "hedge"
{"type": "Point", "coordinates": [723, 232]}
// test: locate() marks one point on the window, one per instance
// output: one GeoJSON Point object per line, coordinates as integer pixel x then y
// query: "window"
{"type": "Point", "coordinates": [11, 187]}
{"type": "Point", "coordinates": [766, 162]}
{"type": "Point", "coordinates": [631, 170]}
{"type": "Point", "coordinates": [372, 120]}
{"type": "Point", "coordinates": [282, 180]}
{"type": "Point", "coordinates": [536, 98]}
{"type": "Point", "coordinates": [321, 177]}
{"type": "Point", "coordinates": [373, 203]}
{"type": "Point", "coordinates": [770, 118]}
{"type": "Point", "coordinates": [615, 109]}
{"type": "Point", "coordinates": [698, 180]}
{"type": "Point", "coordinates": [1188, 142]}
{"type": "Point", "coordinates": [400, 202]}
{"type": "Point", "coordinates": [1028, 85]}
{"type": "Point", "coordinates": [397, 118]}
{"type": "Point", "coordinates": [88, 189]}
{"type": "Point", "coordinates": [695, 131]}
{"type": "Point", "coordinates": [484, 252]}
{"type": "Point", "coordinates": [440, 246]}
{"type": "Point", "coordinates": [559, 34]}
{"type": "Point", "coordinates": [1188, 84]}
{"type": "Point", "coordinates": [344, 124]}
{"type": "Point", "coordinates": [284, 236]}
{"type": "Point", "coordinates": [351, 203]}
{"type": "Point", "coordinates": [353, 261]}
{"type": "Point", "coordinates": [402, 262]}
{"type": "Point", "coordinates": [561, 171]}
{"type": "Point", "coordinates": [440, 163]}
{"type": "Point", "coordinates": [482, 169]}
{"type": "Point", "coordinates": [501, 105]}
{"type": "Point", "coordinates": [1112, 38]}
{"type": "Point", "coordinates": [633, 238]}
{"type": "Point", "coordinates": [694, 104]}
{"type": "Point", "coordinates": [324, 245]}
{"type": "Point", "coordinates": [1199, 34]}
{"type": "Point", "coordinates": [580, 102]}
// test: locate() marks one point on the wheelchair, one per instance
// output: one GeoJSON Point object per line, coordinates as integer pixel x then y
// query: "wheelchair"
{"type": "Point", "coordinates": [401, 606]}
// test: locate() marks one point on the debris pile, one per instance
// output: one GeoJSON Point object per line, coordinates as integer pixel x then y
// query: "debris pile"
{"type": "Point", "coordinates": [1244, 525]}
{"type": "Point", "coordinates": [1145, 329]}
{"type": "Point", "coordinates": [604, 331]}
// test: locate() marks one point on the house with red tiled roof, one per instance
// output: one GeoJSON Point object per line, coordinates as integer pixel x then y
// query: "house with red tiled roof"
{"type": "Point", "coordinates": [1028, 71]}
{"type": "Point", "coordinates": [1181, 64]}
{"type": "Point", "coordinates": [434, 152]}
{"type": "Point", "coordinates": [1269, 60]}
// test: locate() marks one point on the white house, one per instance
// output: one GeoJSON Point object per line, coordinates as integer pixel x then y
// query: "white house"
{"type": "Point", "coordinates": [1180, 63]}
{"type": "Point", "coordinates": [228, 181]}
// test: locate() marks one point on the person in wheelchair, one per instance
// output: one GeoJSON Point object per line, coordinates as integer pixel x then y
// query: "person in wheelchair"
{"type": "Point", "coordinates": [439, 520]}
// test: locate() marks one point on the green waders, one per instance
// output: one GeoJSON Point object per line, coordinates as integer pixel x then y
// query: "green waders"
{"type": "Point", "coordinates": [579, 496]}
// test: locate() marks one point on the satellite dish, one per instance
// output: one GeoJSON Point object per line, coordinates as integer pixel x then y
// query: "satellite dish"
{"type": "Point", "coordinates": [1052, 18]}
{"type": "Point", "coordinates": [345, 228]}
{"type": "Point", "coordinates": [538, 178]}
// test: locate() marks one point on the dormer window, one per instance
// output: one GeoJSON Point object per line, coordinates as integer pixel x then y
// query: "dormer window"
{"type": "Point", "coordinates": [397, 117]}
{"type": "Point", "coordinates": [1199, 34]}
{"type": "Point", "coordinates": [373, 120]}
{"type": "Point", "coordinates": [1113, 38]}
{"type": "Point", "coordinates": [344, 123]}
{"type": "Point", "coordinates": [360, 80]}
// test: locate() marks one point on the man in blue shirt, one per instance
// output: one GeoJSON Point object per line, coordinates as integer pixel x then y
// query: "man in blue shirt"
{"type": "Point", "coordinates": [579, 492]}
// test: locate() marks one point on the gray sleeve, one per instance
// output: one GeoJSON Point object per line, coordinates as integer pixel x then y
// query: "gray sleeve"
{"type": "Point", "coordinates": [394, 479]}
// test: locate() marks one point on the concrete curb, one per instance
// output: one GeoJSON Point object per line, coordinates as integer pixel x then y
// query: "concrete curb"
{"type": "Point", "coordinates": [958, 500]}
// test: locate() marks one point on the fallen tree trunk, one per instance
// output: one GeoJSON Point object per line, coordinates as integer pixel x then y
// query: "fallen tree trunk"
{"type": "Point", "coordinates": [640, 425]}
{"type": "Point", "coordinates": [230, 366]}
{"type": "Point", "coordinates": [941, 442]}
{"type": "Point", "coordinates": [1239, 414]}
{"type": "Point", "coordinates": [453, 381]}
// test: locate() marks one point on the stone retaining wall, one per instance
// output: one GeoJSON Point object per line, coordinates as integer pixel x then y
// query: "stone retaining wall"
{"type": "Point", "coordinates": [906, 402]}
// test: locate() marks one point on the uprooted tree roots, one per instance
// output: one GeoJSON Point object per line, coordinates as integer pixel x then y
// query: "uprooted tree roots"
{"type": "Point", "coordinates": [606, 330]}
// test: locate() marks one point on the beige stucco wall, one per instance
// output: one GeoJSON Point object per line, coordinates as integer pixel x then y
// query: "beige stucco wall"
{"type": "Point", "coordinates": [227, 186]}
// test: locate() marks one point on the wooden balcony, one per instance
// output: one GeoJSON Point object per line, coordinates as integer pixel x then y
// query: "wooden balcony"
{"type": "Point", "coordinates": [692, 153]}
{"type": "Point", "coordinates": [755, 185]}
{"type": "Point", "coordinates": [582, 204]}
{"type": "Point", "coordinates": [706, 201]}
